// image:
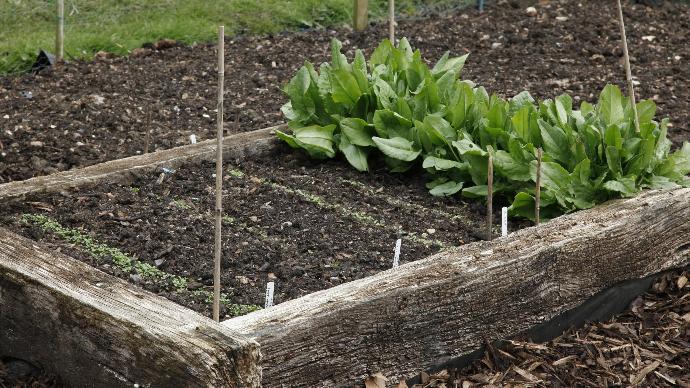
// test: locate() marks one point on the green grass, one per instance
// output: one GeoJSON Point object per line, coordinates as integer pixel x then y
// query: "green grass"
{"type": "Point", "coordinates": [119, 26]}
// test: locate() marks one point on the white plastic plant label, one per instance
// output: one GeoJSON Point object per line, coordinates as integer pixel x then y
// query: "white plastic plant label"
{"type": "Point", "coordinates": [396, 257]}
{"type": "Point", "coordinates": [269, 294]}
{"type": "Point", "coordinates": [192, 139]}
{"type": "Point", "coordinates": [504, 222]}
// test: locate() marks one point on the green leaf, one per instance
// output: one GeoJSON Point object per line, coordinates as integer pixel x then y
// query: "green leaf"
{"type": "Point", "coordinates": [521, 124]}
{"type": "Point", "coordinates": [553, 176]}
{"type": "Point", "coordinates": [440, 164]}
{"type": "Point", "coordinates": [564, 106]}
{"type": "Point", "coordinates": [646, 110]}
{"type": "Point", "coordinates": [397, 148]}
{"type": "Point", "coordinates": [660, 182]}
{"type": "Point", "coordinates": [338, 59]}
{"type": "Point", "coordinates": [625, 186]}
{"type": "Point", "coordinates": [610, 105]}
{"type": "Point", "coordinates": [446, 63]}
{"type": "Point", "coordinates": [446, 189]}
{"type": "Point", "coordinates": [359, 70]}
{"type": "Point", "coordinates": [289, 139]}
{"type": "Point", "coordinates": [677, 165]}
{"type": "Point", "coordinates": [301, 104]}
{"type": "Point", "coordinates": [555, 142]}
{"type": "Point", "coordinates": [510, 168]}
{"type": "Point", "coordinates": [316, 140]}
{"type": "Point", "coordinates": [521, 101]}
{"type": "Point", "coordinates": [397, 165]}
{"type": "Point", "coordinates": [381, 54]}
{"type": "Point", "coordinates": [467, 147]}
{"type": "Point", "coordinates": [390, 124]}
{"type": "Point", "coordinates": [358, 131]}
{"type": "Point", "coordinates": [613, 137]}
{"type": "Point", "coordinates": [356, 156]}
{"type": "Point", "coordinates": [523, 205]}
{"type": "Point", "coordinates": [642, 156]}
{"type": "Point", "coordinates": [385, 95]}
{"type": "Point", "coordinates": [344, 87]}
{"type": "Point", "coordinates": [613, 160]}
{"type": "Point", "coordinates": [476, 191]}
{"type": "Point", "coordinates": [441, 126]}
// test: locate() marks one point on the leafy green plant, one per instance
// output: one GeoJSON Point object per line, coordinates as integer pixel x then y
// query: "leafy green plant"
{"type": "Point", "coordinates": [401, 110]}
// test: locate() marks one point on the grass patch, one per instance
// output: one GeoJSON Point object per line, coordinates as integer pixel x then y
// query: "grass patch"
{"type": "Point", "coordinates": [119, 26]}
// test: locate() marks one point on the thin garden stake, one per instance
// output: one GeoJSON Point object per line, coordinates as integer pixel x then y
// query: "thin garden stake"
{"type": "Point", "coordinates": [60, 33]}
{"type": "Point", "coordinates": [219, 175]}
{"type": "Point", "coordinates": [628, 73]}
{"type": "Point", "coordinates": [490, 198]}
{"type": "Point", "coordinates": [391, 21]}
{"type": "Point", "coordinates": [537, 190]}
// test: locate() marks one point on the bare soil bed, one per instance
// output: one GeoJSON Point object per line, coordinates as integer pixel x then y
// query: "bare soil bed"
{"type": "Point", "coordinates": [647, 345]}
{"type": "Point", "coordinates": [303, 224]}
{"type": "Point", "coordinates": [89, 112]}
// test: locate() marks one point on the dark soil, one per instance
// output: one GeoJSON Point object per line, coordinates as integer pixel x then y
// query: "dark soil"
{"type": "Point", "coordinates": [648, 346]}
{"type": "Point", "coordinates": [303, 224]}
{"type": "Point", "coordinates": [89, 112]}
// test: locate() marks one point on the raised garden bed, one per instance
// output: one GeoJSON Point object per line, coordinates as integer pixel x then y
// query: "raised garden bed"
{"type": "Point", "coordinates": [397, 321]}
{"type": "Point", "coordinates": [307, 226]}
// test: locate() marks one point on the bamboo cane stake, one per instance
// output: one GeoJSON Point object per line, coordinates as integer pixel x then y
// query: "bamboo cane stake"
{"type": "Point", "coordinates": [219, 175]}
{"type": "Point", "coordinates": [628, 73]}
{"type": "Point", "coordinates": [391, 21]}
{"type": "Point", "coordinates": [537, 190]}
{"type": "Point", "coordinates": [60, 33]}
{"type": "Point", "coordinates": [490, 199]}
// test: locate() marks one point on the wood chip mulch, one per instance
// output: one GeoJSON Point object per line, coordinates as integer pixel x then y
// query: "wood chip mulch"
{"type": "Point", "coordinates": [648, 345]}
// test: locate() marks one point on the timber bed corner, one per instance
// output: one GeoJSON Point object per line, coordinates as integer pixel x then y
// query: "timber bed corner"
{"type": "Point", "coordinates": [399, 322]}
{"type": "Point", "coordinates": [95, 330]}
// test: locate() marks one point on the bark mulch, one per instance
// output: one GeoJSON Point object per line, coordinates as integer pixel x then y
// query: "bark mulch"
{"type": "Point", "coordinates": [648, 345]}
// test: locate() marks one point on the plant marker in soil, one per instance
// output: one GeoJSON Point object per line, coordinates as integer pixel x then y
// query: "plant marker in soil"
{"type": "Point", "coordinates": [396, 256]}
{"type": "Point", "coordinates": [504, 221]}
{"type": "Point", "coordinates": [219, 176]}
{"type": "Point", "coordinates": [192, 139]}
{"type": "Point", "coordinates": [628, 73]}
{"type": "Point", "coordinates": [270, 287]}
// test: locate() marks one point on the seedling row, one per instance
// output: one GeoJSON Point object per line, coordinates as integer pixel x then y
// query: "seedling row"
{"type": "Point", "coordinates": [304, 226]}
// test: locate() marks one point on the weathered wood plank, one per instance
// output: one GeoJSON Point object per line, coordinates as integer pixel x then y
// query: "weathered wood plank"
{"type": "Point", "coordinates": [425, 313]}
{"type": "Point", "coordinates": [95, 330]}
{"type": "Point", "coordinates": [236, 146]}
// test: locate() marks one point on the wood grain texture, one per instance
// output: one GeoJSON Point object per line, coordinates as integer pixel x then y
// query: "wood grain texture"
{"type": "Point", "coordinates": [424, 313]}
{"type": "Point", "coordinates": [237, 146]}
{"type": "Point", "coordinates": [95, 330]}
